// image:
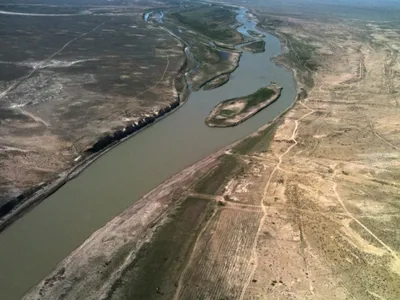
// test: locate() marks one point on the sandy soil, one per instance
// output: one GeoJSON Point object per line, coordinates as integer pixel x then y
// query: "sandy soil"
{"type": "Point", "coordinates": [329, 192]}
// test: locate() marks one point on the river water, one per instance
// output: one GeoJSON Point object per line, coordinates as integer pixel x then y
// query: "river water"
{"type": "Point", "coordinates": [32, 246]}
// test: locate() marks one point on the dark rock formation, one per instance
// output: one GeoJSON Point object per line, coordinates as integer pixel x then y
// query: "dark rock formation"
{"type": "Point", "coordinates": [12, 203]}
{"type": "Point", "coordinates": [103, 142]}
{"type": "Point", "coordinates": [119, 134]}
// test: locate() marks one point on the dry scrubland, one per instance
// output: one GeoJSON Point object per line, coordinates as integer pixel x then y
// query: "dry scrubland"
{"type": "Point", "coordinates": [87, 75]}
{"type": "Point", "coordinates": [316, 210]}
{"type": "Point", "coordinates": [330, 190]}
{"type": "Point", "coordinates": [307, 208]}
{"type": "Point", "coordinates": [210, 35]}
{"type": "Point", "coordinates": [66, 81]}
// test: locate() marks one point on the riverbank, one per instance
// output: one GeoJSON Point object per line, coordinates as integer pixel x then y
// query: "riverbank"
{"type": "Point", "coordinates": [109, 253]}
{"type": "Point", "coordinates": [16, 207]}
{"type": "Point", "coordinates": [213, 82]}
{"type": "Point", "coordinates": [61, 95]}
{"type": "Point", "coordinates": [126, 246]}
{"type": "Point", "coordinates": [129, 171]}
{"type": "Point", "coordinates": [216, 82]}
{"type": "Point", "coordinates": [255, 47]}
{"type": "Point", "coordinates": [123, 236]}
{"type": "Point", "coordinates": [121, 250]}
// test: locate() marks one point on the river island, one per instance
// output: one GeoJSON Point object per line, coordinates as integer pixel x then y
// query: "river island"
{"type": "Point", "coordinates": [234, 111]}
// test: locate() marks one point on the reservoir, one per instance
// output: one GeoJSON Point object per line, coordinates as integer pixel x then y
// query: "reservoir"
{"type": "Point", "coordinates": [33, 245]}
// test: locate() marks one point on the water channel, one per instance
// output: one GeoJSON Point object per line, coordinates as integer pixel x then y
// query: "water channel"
{"type": "Point", "coordinates": [33, 245]}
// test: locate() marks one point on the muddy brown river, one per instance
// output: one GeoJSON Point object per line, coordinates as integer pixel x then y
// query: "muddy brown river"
{"type": "Point", "coordinates": [33, 245]}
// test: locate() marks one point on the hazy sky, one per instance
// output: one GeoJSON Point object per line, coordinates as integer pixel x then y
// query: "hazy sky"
{"type": "Point", "coordinates": [358, 3]}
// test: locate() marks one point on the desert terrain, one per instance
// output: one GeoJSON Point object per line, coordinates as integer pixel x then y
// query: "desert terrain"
{"type": "Point", "coordinates": [67, 80]}
{"type": "Point", "coordinates": [77, 78]}
{"type": "Point", "coordinates": [306, 208]}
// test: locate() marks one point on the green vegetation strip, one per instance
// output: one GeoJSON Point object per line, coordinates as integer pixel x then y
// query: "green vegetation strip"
{"type": "Point", "coordinates": [233, 111]}
{"type": "Point", "coordinates": [212, 182]}
{"type": "Point", "coordinates": [156, 270]}
{"type": "Point", "coordinates": [217, 82]}
{"type": "Point", "coordinates": [158, 265]}
{"type": "Point", "coordinates": [257, 143]}
{"type": "Point", "coordinates": [302, 55]}
{"type": "Point", "coordinates": [260, 96]}
{"type": "Point", "coordinates": [210, 21]}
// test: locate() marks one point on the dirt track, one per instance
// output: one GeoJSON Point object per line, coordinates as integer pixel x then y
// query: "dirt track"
{"type": "Point", "coordinates": [119, 240]}
{"type": "Point", "coordinates": [329, 201]}
{"type": "Point", "coordinates": [313, 217]}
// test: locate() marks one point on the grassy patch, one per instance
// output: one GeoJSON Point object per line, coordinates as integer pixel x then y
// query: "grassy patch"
{"type": "Point", "coordinates": [301, 55]}
{"type": "Point", "coordinates": [216, 82]}
{"type": "Point", "coordinates": [211, 21]}
{"type": "Point", "coordinates": [256, 98]}
{"type": "Point", "coordinates": [212, 182]}
{"type": "Point", "coordinates": [206, 54]}
{"type": "Point", "coordinates": [211, 62]}
{"type": "Point", "coordinates": [257, 143]}
{"type": "Point", "coordinates": [233, 111]}
{"type": "Point", "coordinates": [386, 230]}
{"type": "Point", "coordinates": [156, 270]}
{"type": "Point", "coordinates": [227, 112]}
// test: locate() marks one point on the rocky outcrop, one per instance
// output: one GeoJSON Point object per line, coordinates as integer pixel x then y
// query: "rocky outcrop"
{"type": "Point", "coordinates": [8, 206]}
{"type": "Point", "coordinates": [122, 133]}
{"type": "Point", "coordinates": [11, 205]}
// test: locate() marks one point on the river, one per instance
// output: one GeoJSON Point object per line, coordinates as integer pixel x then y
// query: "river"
{"type": "Point", "coordinates": [33, 245]}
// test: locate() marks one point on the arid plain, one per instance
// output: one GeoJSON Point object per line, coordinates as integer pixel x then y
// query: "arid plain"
{"type": "Point", "coordinates": [76, 79]}
{"type": "Point", "coordinates": [306, 208]}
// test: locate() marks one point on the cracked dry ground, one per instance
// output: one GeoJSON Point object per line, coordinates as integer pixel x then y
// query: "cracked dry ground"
{"type": "Point", "coordinates": [316, 216]}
